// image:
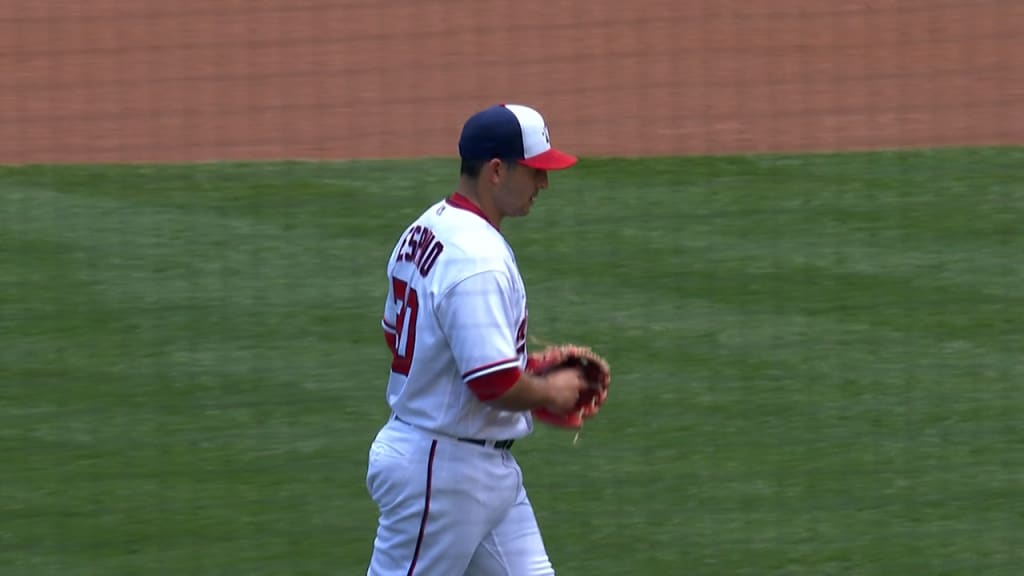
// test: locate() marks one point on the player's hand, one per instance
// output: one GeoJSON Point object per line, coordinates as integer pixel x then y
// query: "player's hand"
{"type": "Point", "coordinates": [564, 387]}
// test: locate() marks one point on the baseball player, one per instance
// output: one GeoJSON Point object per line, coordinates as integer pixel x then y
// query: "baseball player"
{"type": "Point", "coordinates": [449, 491]}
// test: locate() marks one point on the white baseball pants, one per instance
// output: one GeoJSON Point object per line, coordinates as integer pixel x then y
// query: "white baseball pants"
{"type": "Point", "coordinates": [449, 508]}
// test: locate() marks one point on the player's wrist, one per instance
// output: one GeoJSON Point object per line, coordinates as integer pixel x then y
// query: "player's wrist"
{"type": "Point", "coordinates": [529, 392]}
{"type": "Point", "coordinates": [536, 390]}
{"type": "Point", "coordinates": [547, 393]}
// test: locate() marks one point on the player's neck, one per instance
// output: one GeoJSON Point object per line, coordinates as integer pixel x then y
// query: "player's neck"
{"type": "Point", "coordinates": [468, 189]}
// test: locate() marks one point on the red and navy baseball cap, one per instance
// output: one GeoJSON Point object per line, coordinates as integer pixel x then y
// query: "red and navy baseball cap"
{"type": "Point", "coordinates": [511, 132]}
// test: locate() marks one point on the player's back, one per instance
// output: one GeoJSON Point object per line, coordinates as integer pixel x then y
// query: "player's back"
{"type": "Point", "coordinates": [455, 318]}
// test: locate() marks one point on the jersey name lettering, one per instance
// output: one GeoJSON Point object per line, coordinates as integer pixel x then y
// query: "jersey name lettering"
{"type": "Point", "coordinates": [421, 248]}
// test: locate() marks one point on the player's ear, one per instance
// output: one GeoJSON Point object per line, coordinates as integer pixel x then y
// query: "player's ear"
{"type": "Point", "coordinates": [493, 170]}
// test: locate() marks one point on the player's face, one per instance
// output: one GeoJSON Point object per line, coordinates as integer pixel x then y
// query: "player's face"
{"type": "Point", "coordinates": [518, 189]}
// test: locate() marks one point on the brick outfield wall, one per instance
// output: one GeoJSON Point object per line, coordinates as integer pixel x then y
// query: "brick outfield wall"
{"type": "Point", "coordinates": [148, 80]}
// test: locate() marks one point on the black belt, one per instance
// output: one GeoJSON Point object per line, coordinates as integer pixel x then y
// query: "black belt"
{"type": "Point", "coordinates": [496, 444]}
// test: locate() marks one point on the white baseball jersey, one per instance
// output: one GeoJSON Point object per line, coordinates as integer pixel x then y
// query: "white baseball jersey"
{"type": "Point", "coordinates": [455, 319]}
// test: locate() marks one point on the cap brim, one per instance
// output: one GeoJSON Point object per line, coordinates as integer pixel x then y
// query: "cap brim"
{"type": "Point", "coordinates": [550, 160]}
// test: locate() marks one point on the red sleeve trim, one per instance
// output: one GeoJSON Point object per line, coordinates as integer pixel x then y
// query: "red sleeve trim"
{"type": "Point", "coordinates": [493, 385]}
{"type": "Point", "coordinates": [475, 371]}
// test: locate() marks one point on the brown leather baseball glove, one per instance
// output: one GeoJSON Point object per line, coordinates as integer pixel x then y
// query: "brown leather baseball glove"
{"type": "Point", "coordinates": [596, 372]}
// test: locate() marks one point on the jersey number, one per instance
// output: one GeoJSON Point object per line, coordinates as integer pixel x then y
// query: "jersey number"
{"type": "Point", "coordinates": [405, 326]}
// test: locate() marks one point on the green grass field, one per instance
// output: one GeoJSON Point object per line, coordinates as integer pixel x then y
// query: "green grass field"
{"type": "Point", "coordinates": [818, 364]}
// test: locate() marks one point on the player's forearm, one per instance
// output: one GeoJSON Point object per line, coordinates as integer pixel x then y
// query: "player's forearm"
{"type": "Point", "coordinates": [529, 392]}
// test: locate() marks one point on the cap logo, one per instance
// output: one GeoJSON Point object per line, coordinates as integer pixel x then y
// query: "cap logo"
{"type": "Point", "coordinates": [547, 138]}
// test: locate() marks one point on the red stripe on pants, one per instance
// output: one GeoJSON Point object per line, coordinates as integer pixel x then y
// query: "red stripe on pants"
{"type": "Point", "coordinates": [426, 508]}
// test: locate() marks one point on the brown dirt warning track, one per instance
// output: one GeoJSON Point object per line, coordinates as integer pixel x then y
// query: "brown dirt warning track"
{"type": "Point", "coordinates": [187, 80]}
